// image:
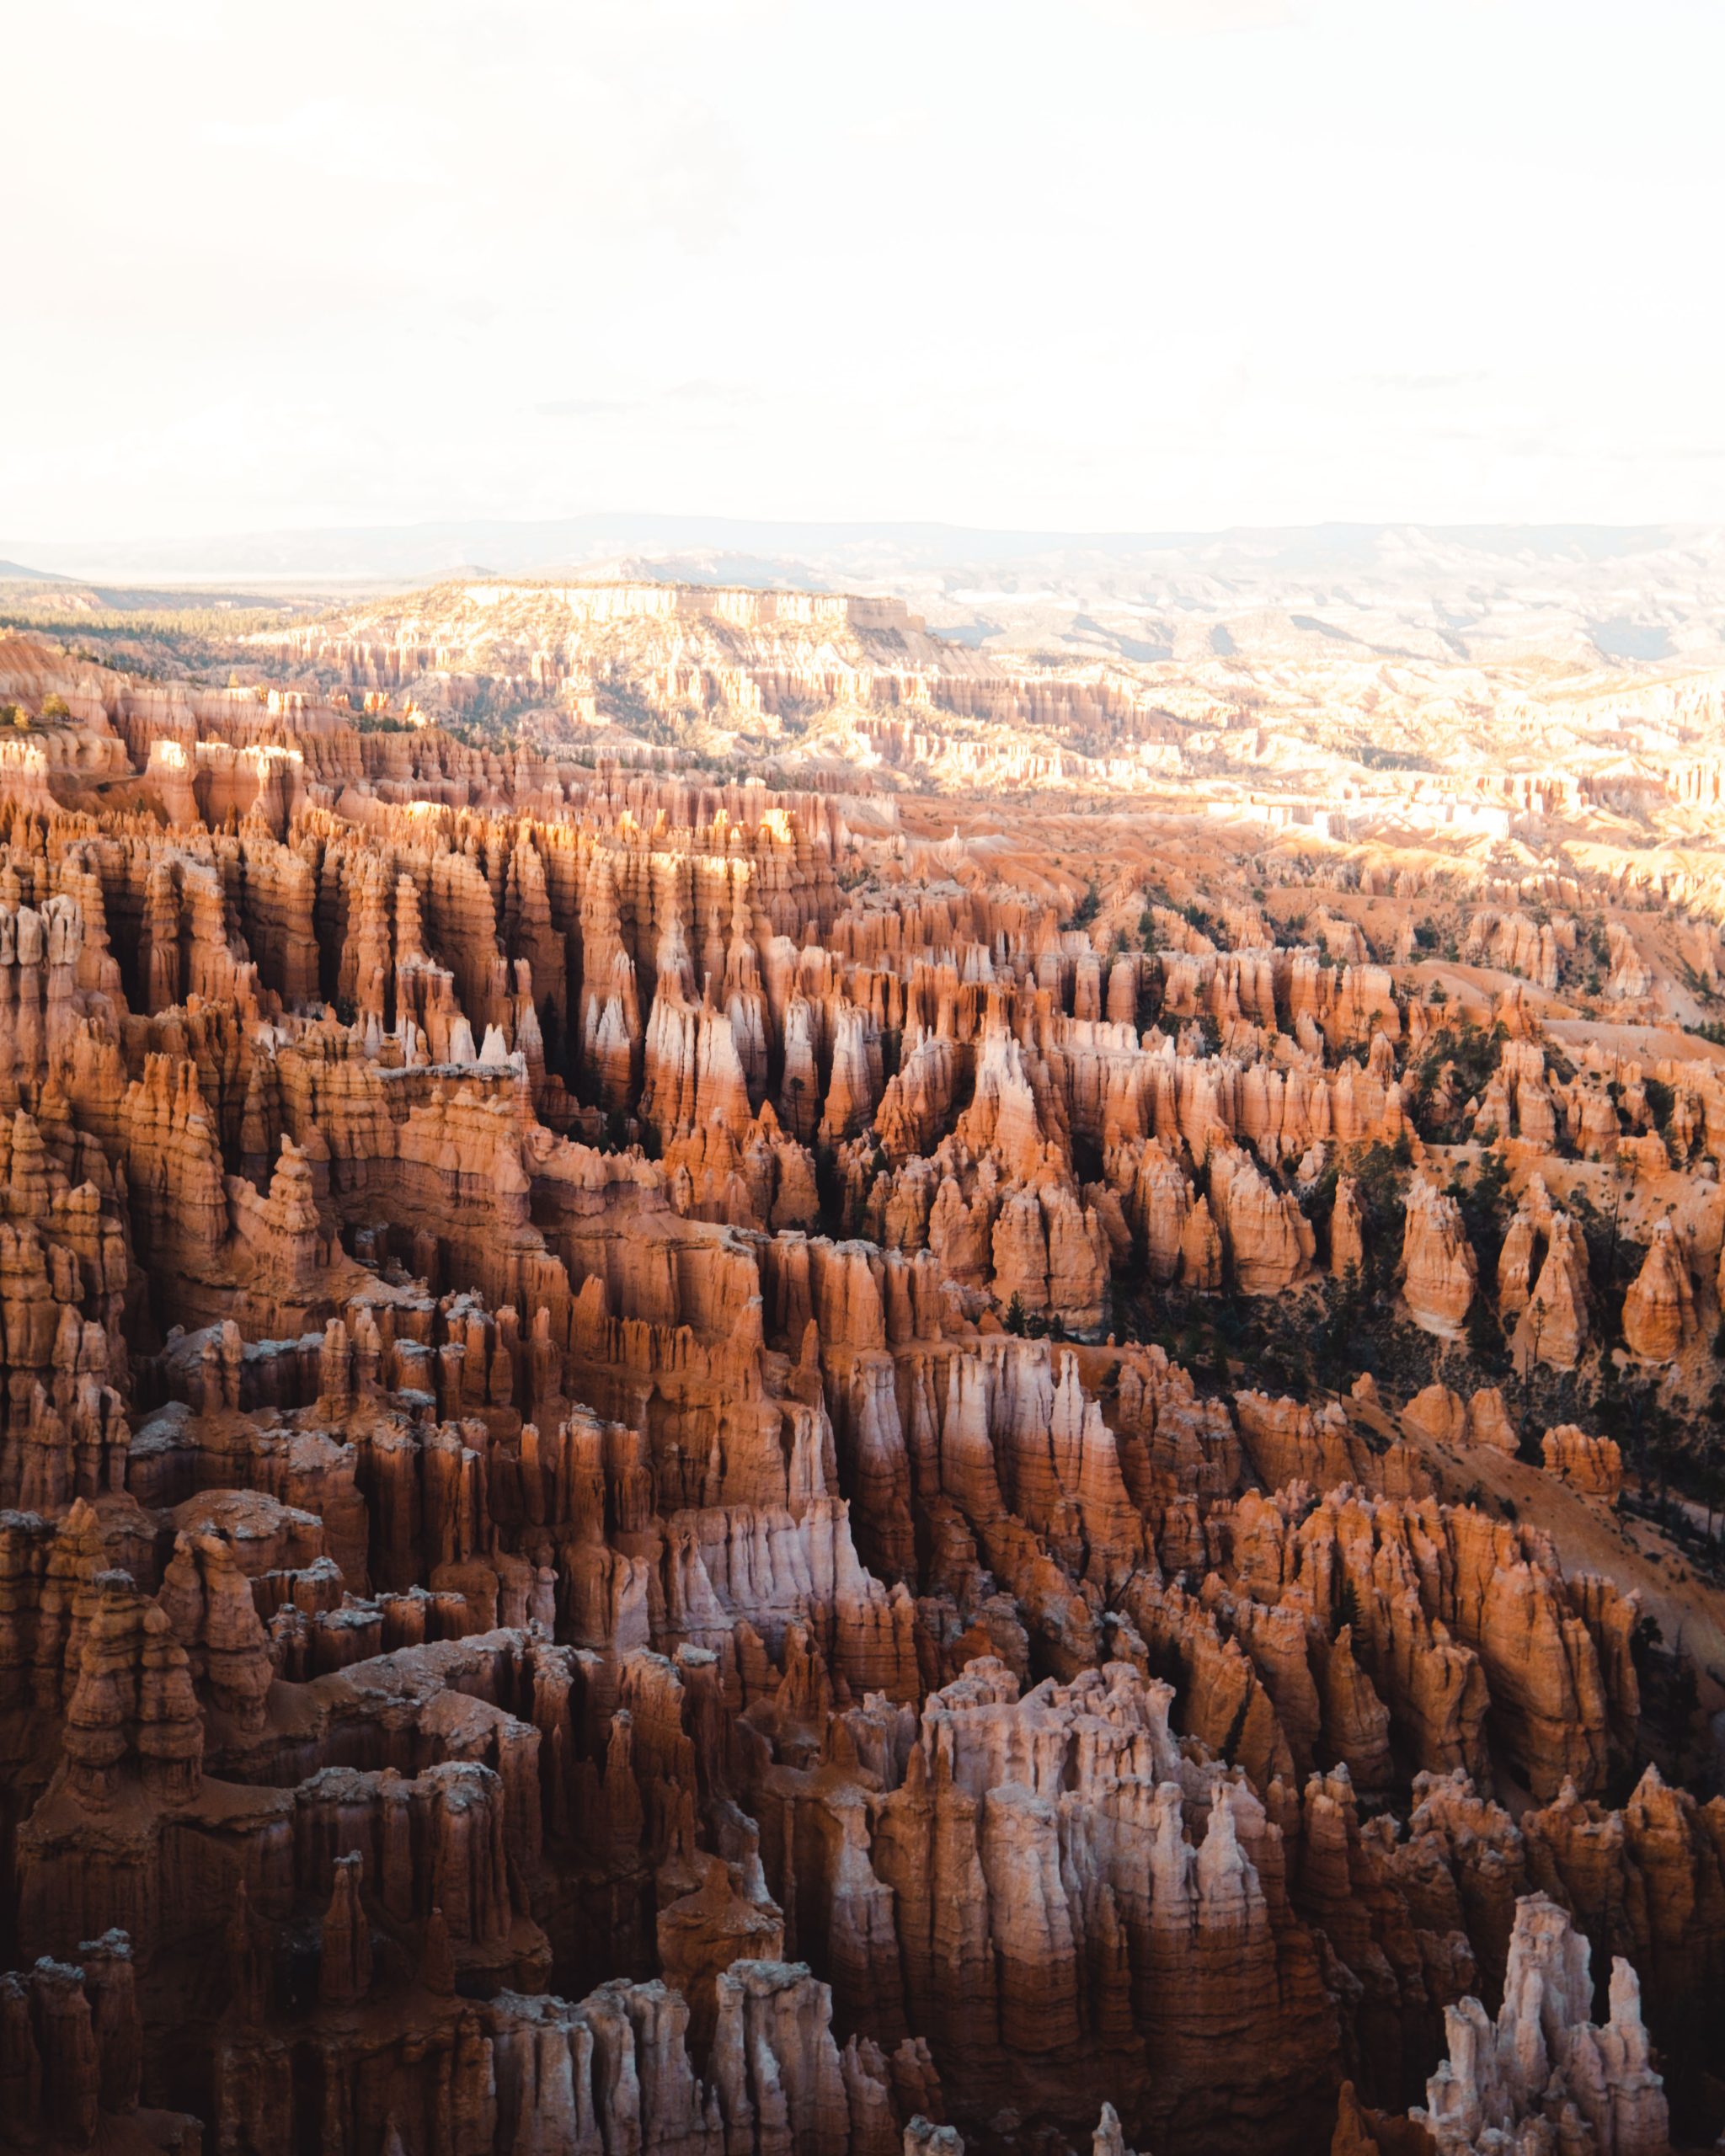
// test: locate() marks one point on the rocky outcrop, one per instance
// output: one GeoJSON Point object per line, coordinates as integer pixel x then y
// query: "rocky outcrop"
{"type": "Point", "coordinates": [688, 1469]}
{"type": "Point", "coordinates": [1593, 1465]}
{"type": "Point", "coordinates": [1438, 1413]}
{"type": "Point", "coordinates": [73, 2046]}
{"type": "Point", "coordinates": [1438, 1265]}
{"type": "Point", "coordinates": [1544, 2058]}
{"type": "Point", "coordinates": [1267, 1239]}
{"type": "Point", "coordinates": [1347, 1230]}
{"type": "Point", "coordinates": [1543, 1281]}
{"type": "Point", "coordinates": [1488, 1421]}
{"type": "Point", "coordinates": [1658, 1309]}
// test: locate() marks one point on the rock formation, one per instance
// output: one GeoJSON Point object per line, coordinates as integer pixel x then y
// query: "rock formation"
{"type": "Point", "coordinates": [689, 1469]}
{"type": "Point", "coordinates": [1438, 1264]}
{"type": "Point", "coordinates": [1545, 2060]}
{"type": "Point", "coordinates": [1595, 1464]}
{"type": "Point", "coordinates": [1659, 1310]}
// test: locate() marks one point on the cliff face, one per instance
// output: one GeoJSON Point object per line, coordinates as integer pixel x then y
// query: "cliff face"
{"type": "Point", "coordinates": [671, 1487]}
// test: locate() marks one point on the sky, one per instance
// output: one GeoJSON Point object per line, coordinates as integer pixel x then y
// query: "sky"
{"type": "Point", "coordinates": [1065, 264]}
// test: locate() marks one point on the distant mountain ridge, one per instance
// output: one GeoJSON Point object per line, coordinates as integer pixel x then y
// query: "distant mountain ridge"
{"type": "Point", "coordinates": [1579, 594]}
{"type": "Point", "coordinates": [445, 546]}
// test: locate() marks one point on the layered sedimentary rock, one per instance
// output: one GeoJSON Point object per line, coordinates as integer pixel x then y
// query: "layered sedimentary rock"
{"type": "Point", "coordinates": [1545, 2059]}
{"type": "Point", "coordinates": [683, 1473]}
{"type": "Point", "coordinates": [1438, 1264]}
{"type": "Point", "coordinates": [1659, 1310]}
{"type": "Point", "coordinates": [1595, 1464]}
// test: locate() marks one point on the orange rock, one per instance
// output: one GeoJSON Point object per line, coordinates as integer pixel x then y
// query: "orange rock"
{"type": "Point", "coordinates": [1347, 1230]}
{"type": "Point", "coordinates": [1659, 1310]}
{"type": "Point", "coordinates": [1438, 1413]}
{"type": "Point", "coordinates": [1438, 1264]}
{"type": "Point", "coordinates": [1591, 1464]}
{"type": "Point", "coordinates": [1488, 1421]}
{"type": "Point", "coordinates": [513, 1460]}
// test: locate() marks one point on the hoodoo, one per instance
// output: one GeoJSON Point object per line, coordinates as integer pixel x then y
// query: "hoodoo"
{"type": "Point", "coordinates": [801, 1468]}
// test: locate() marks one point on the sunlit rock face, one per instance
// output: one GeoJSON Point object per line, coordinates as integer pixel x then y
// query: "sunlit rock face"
{"type": "Point", "coordinates": [747, 1408]}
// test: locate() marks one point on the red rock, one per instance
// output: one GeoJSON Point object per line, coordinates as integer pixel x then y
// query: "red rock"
{"type": "Point", "coordinates": [529, 1513]}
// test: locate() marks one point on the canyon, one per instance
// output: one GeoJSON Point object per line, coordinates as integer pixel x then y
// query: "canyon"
{"type": "Point", "coordinates": [773, 1387]}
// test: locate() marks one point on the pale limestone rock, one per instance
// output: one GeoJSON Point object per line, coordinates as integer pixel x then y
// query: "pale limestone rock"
{"type": "Point", "coordinates": [1544, 2058]}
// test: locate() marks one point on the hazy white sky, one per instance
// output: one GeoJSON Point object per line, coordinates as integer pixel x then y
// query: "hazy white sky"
{"type": "Point", "coordinates": [1085, 263]}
